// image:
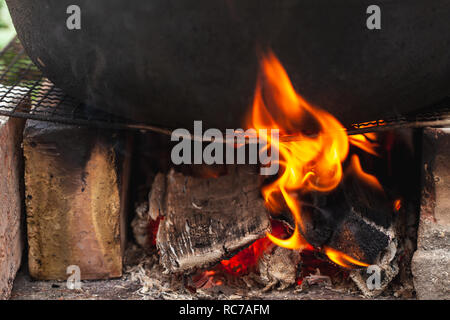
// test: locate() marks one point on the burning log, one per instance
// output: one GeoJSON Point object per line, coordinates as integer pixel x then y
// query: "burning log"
{"type": "Point", "coordinates": [374, 280]}
{"type": "Point", "coordinates": [337, 208]}
{"type": "Point", "coordinates": [76, 185]}
{"type": "Point", "coordinates": [203, 220]}
{"type": "Point", "coordinates": [368, 234]}
{"type": "Point", "coordinates": [355, 223]}
{"type": "Point", "coordinates": [354, 219]}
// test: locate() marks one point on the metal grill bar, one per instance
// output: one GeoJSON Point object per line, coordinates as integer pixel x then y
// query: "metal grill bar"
{"type": "Point", "coordinates": [22, 85]}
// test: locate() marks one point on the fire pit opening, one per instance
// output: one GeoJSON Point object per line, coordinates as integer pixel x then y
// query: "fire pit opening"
{"type": "Point", "coordinates": [349, 212]}
{"type": "Point", "coordinates": [341, 213]}
{"type": "Point", "coordinates": [211, 231]}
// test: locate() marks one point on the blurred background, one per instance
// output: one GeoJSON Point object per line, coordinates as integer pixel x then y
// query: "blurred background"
{"type": "Point", "coordinates": [7, 31]}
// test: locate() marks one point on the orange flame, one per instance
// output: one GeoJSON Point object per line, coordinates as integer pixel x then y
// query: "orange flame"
{"type": "Point", "coordinates": [313, 162]}
{"type": "Point", "coordinates": [355, 168]}
{"type": "Point", "coordinates": [342, 259]}
{"type": "Point", "coordinates": [397, 205]}
{"type": "Point", "coordinates": [366, 142]}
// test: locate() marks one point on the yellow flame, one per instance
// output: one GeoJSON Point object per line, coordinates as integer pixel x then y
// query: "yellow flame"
{"type": "Point", "coordinates": [366, 142]}
{"type": "Point", "coordinates": [313, 162]}
{"type": "Point", "coordinates": [355, 168]}
{"type": "Point", "coordinates": [342, 259]}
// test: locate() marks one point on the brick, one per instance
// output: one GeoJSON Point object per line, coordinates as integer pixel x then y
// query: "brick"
{"type": "Point", "coordinates": [11, 168]}
{"type": "Point", "coordinates": [76, 185]}
{"type": "Point", "coordinates": [431, 261]}
{"type": "Point", "coordinates": [431, 271]}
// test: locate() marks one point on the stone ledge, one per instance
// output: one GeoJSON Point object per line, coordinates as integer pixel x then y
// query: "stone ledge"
{"type": "Point", "coordinates": [433, 236]}
{"type": "Point", "coordinates": [431, 262]}
{"type": "Point", "coordinates": [431, 270]}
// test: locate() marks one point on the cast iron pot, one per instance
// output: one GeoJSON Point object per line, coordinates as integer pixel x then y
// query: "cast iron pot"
{"type": "Point", "coordinates": [172, 62]}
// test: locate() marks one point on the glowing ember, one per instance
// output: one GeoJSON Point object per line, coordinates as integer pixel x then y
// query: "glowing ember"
{"type": "Point", "coordinates": [366, 142]}
{"type": "Point", "coordinates": [312, 161]}
{"type": "Point", "coordinates": [241, 263]}
{"type": "Point", "coordinates": [312, 265]}
{"type": "Point", "coordinates": [153, 226]}
{"type": "Point", "coordinates": [397, 205]}
{"type": "Point", "coordinates": [245, 260]}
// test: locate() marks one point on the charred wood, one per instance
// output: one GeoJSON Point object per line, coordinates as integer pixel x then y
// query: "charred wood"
{"type": "Point", "coordinates": [207, 220]}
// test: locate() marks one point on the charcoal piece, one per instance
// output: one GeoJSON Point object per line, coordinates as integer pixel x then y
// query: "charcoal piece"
{"type": "Point", "coordinates": [359, 238]}
{"type": "Point", "coordinates": [355, 219]}
{"type": "Point", "coordinates": [385, 269]}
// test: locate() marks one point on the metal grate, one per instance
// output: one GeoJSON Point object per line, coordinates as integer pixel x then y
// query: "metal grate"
{"type": "Point", "coordinates": [21, 82]}
{"type": "Point", "coordinates": [436, 115]}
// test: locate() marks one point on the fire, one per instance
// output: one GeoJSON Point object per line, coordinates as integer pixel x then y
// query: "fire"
{"type": "Point", "coordinates": [310, 162]}
{"type": "Point", "coordinates": [242, 263]}
{"type": "Point", "coordinates": [342, 259]}
{"type": "Point", "coordinates": [355, 168]}
{"type": "Point", "coordinates": [366, 142]}
{"type": "Point", "coordinates": [397, 205]}
{"type": "Point", "coordinates": [248, 258]}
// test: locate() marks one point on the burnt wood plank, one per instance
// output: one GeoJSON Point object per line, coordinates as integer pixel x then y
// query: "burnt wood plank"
{"type": "Point", "coordinates": [75, 181]}
{"type": "Point", "coordinates": [206, 220]}
{"type": "Point", "coordinates": [11, 237]}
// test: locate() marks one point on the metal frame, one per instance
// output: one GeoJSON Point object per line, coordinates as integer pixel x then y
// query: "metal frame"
{"type": "Point", "coordinates": [23, 85]}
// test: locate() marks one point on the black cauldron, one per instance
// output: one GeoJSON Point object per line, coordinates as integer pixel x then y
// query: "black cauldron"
{"type": "Point", "coordinates": [172, 62]}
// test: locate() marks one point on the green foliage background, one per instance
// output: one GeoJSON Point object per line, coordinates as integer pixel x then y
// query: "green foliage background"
{"type": "Point", "coordinates": [7, 31]}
